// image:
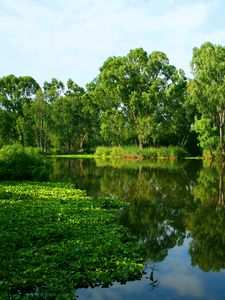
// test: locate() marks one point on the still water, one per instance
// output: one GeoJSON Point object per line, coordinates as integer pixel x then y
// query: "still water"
{"type": "Point", "coordinates": [177, 211]}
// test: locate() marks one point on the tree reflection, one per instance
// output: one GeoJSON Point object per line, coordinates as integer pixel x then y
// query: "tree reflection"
{"type": "Point", "coordinates": [208, 237]}
{"type": "Point", "coordinates": [158, 226]}
{"type": "Point", "coordinates": [138, 181]}
{"type": "Point", "coordinates": [207, 223]}
{"type": "Point", "coordinates": [82, 172]}
{"type": "Point", "coordinates": [167, 201]}
{"type": "Point", "coordinates": [161, 203]}
{"type": "Point", "coordinates": [210, 184]}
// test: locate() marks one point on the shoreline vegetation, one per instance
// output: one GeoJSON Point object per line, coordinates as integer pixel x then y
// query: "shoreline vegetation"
{"type": "Point", "coordinates": [55, 239]}
{"type": "Point", "coordinates": [133, 153]}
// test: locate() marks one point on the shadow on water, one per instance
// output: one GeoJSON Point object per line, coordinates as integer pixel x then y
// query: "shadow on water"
{"type": "Point", "coordinates": [177, 212]}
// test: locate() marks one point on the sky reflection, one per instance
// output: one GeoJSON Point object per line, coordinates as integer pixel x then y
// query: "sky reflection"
{"type": "Point", "coordinates": [177, 280]}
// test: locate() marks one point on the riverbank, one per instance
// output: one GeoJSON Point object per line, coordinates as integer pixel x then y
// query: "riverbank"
{"type": "Point", "coordinates": [133, 152]}
{"type": "Point", "coordinates": [55, 239]}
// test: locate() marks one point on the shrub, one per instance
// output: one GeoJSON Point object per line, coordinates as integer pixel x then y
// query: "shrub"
{"type": "Point", "coordinates": [19, 163]}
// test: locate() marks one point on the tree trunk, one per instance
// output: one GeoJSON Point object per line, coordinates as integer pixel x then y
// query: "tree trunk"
{"type": "Point", "coordinates": [221, 187]}
{"type": "Point", "coordinates": [221, 117]}
{"type": "Point", "coordinates": [82, 138]}
{"type": "Point", "coordinates": [140, 144]}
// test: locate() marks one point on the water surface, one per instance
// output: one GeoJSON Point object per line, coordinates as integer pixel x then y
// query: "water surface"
{"type": "Point", "coordinates": [177, 211]}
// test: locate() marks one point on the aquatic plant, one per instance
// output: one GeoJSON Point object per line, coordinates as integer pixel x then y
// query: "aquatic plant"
{"type": "Point", "coordinates": [55, 239]}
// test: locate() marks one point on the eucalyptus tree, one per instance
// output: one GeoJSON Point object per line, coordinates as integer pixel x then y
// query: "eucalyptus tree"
{"type": "Point", "coordinates": [38, 114]}
{"type": "Point", "coordinates": [207, 91]}
{"type": "Point", "coordinates": [143, 94]}
{"type": "Point", "coordinates": [71, 119]}
{"type": "Point", "coordinates": [15, 92]}
{"type": "Point", "coordinates": [53, 90]}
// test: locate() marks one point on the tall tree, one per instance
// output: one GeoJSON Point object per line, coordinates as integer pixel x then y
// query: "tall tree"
{"type": "Point", "coordinates": [146, 90]}
{"type": "Point", "coordinates": [207, 89]}
{"type": "Point", "coordinates": [15, 92]}
{"type": "Point", "coordinates": [38, 112]}
{"type": "Point", "coordinates": [71, 119]}
{"type": "Point", "coordinates": [53, 90]}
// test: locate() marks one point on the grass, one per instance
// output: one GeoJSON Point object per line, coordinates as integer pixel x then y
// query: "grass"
{"type": "Point", "coordinates": [133, 152]}
{"type": "Point", "coordinates": [55, 239]}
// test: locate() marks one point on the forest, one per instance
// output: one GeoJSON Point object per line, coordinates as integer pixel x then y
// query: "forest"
{"type": "Point", "coordinates": [137, 99]}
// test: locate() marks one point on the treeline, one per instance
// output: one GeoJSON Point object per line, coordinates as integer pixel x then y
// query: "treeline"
{"type": "Point", "coordinates": [139, 99]}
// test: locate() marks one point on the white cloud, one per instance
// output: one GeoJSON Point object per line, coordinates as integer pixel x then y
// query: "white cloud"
{"type": "Point", "coordinates": [71, 39]}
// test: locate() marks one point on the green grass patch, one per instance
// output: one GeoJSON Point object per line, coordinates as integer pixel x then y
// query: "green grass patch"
{"type": "Point", "coordinates": [133, 152]}
{"type": "Point", "coordinates": [55, 239]}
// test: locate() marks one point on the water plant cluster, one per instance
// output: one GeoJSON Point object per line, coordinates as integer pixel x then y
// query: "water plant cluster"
{"type": "Point", "coordinates": [55, 239]}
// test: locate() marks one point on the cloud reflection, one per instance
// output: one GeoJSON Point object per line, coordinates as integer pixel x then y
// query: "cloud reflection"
{"type": "Point", "coordinates": [184, 284]}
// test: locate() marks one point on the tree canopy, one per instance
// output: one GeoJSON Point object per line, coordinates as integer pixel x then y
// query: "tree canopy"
{"type": "Point", "coordinates": [207, 91]}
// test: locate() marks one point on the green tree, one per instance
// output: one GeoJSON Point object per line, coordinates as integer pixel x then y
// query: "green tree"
{"type": "Point", "coordinates": [15, 92]}
{"type": "Point", "coordinates": [39, 112]}
{"type": "Point", "coordinates": [208, 140]}
{"type": "Point", "coordinates": [53, 90]}
{"type": "Point", "coordinates": [207, 89]}
{"type": "Point", "coordinates": [71, 119]}
{"type": "Point", "coordinates": [147, 92]}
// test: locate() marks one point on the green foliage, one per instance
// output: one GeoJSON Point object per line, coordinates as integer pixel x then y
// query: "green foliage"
{"type": "Point", "coordinates": [207, 91]}
{"type": "Point", "coordinates": [207, 134]}
{"type": "Point", "coordinates": [117, 151]}
{"type": "Point", "coordinates": [55, 239]}
{"type": "Point", "coordinates": [170, 152]}
{"type": "Point", "coordinates": [125, 152]}
{"type": "Point", "coordinates": [19, 163]}
{"type": "Point", "coordinates": [102, 151]}
{"type": "Point", "coordinates": [15, 93]}
{"type": "Point", "coordinates": [142, 98]}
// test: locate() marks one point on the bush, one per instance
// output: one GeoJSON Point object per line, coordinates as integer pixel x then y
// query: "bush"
{"type": "Point", "coordinates": [19, 163]}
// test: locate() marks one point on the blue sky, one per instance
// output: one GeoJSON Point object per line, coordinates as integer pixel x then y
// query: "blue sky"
{"type": "Point", "coordinates": [72, 38]}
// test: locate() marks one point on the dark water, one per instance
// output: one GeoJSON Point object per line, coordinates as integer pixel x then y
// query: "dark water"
{"type": "Point", "coordinates": [178, 213]}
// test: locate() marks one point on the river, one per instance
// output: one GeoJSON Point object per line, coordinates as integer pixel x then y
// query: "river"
{"type": "Point", "coordinates": [177, 211]}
